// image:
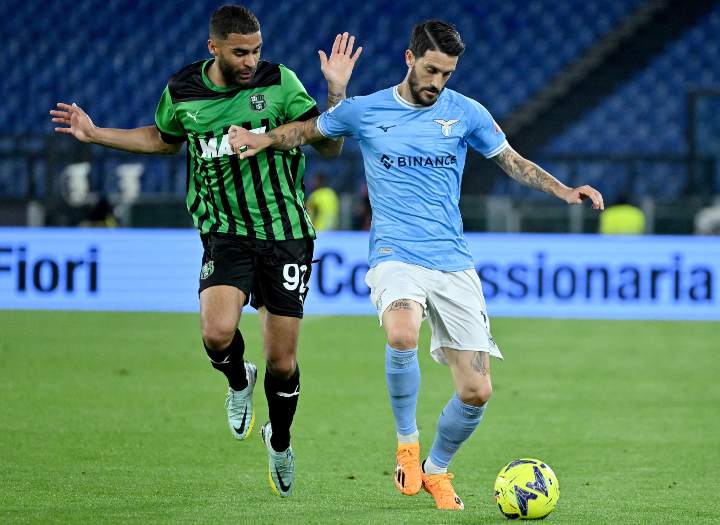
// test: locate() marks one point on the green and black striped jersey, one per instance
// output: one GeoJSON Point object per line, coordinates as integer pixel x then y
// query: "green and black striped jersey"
{"type": "Point", "coordinates": [261, 197]}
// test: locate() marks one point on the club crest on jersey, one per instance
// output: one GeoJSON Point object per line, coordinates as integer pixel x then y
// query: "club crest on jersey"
{"type": "Point", "coordinates": [446, 125]}
{"type": "Point", "coordinates": [257, 102]}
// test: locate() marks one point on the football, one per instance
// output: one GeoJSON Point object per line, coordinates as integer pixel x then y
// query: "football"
{"type": "Point", "coordinates": [526, 489]}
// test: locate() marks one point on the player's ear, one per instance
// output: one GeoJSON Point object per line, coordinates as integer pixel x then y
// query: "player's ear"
{"type": "Point", "coordinates": [211, 47]}
{"type": "Point", "coordinates": [409, 58]}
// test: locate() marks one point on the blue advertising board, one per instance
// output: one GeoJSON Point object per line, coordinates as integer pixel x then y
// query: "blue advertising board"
{"type": "Point", "coordinates": [523, 275]}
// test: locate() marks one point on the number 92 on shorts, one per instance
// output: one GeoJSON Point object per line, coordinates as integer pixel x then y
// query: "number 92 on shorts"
{"type": "Point", "coordinates": [273, 274]}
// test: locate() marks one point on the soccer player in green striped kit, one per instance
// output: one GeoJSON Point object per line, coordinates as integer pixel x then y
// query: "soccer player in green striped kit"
{"type": "Point", "coordinates": [256, 233]}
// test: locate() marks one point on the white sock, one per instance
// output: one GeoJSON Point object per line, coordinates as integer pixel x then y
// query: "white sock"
{"type": "Point", "coordinates": [409, 438]}
{"type": "Point", "coordinates": [430, 468]}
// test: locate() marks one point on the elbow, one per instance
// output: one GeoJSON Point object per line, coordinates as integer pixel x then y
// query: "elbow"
{"type": "Point", "coordinates": [331, 152]}
{"type": "Point", "coordinates": [172, 149]}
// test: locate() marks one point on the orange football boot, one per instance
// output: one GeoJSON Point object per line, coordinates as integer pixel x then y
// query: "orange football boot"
{"type": "Point", "coordinates": [408, 473]}
{"type": "Point", "coordinates": [441, 489]}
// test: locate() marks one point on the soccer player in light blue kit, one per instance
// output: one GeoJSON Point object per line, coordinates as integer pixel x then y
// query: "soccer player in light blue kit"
{"type": "Point", "coordinates": [414, 138]}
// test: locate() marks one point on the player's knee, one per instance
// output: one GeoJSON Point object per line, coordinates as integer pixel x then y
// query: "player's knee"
{"type": "Point", "coordinates": [281, 367]}
{"type": "Point", "coordinates": [476, 394]}
{"type": "Point", "coordinates": [218, 336]}
{"type": "Point", "coordinates": [402, 337]}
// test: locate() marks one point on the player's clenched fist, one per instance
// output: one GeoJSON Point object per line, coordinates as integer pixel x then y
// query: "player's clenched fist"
{"type": "Point", "coordinates": [245, 143]}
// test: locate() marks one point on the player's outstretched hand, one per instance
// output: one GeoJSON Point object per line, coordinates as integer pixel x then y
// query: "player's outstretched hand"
{"type": "Point", "coordinates": [338, 68]}
{"type": "Point", "coordinates": [246, 144]}
{"type": "Point", "coordinates": [74, 121]}
{"type": "Point", "coordinates": [581, 193]}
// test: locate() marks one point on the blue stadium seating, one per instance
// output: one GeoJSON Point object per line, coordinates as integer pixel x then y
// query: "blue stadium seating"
{"type": "Point", "coordinates": [707, 121]}
{"type": "Point", "coordinates": [113, 58]}
{"type": "Point", "coordinates": [648, 114]}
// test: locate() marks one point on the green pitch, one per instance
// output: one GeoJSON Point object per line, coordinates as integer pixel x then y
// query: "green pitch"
{"type": "Point", "coordinates": [119, 418]}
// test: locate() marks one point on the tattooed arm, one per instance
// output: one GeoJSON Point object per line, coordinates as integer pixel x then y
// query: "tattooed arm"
{"type": "Point", "coordinates": [532, 175]}
{"type": "Point", "coordinates": [337, 71]}
{"type": "Point", "coordinates": [286, 137]}
{"type": "Point", "coordinates": [325, 146]}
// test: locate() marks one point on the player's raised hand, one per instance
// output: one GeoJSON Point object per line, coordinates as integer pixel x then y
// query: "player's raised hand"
{"type": "Point", "coordinates": [74, 121]}
{"type": "Point", "coordinates": [246, 144]}
{"type": "Point", "coordinates": [579, 194]}
{"type": "Point", "coordinates": [338, 68]}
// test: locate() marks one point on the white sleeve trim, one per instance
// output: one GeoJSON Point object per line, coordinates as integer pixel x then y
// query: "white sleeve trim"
{"type": "Point", "coordinates": [494, 152]}
{"type": "Point", "coordinates": [320, 129]}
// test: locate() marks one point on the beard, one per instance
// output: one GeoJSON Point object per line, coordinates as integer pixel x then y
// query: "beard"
{"type": "Point", "coordinates": [232, 75]}
{"type": "Point", "coordinates": [419, 92]}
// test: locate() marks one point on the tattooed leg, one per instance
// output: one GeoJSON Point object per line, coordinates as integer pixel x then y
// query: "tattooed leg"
{"type": "Point", "coordinates": [401, 304]}
{"type": "Point", "coordinates": [401, 321]}
{"type": "Point", "coordinates": [471, 375]}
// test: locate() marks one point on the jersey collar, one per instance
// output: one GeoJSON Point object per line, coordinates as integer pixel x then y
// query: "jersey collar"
{"type": "Point", "coordinates": [209, 84]}
{"type": "Point", "coordinates": [405, 103]}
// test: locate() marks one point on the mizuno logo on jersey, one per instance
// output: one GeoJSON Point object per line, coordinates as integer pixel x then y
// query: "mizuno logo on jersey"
{"type": "Point", "coordinates": [446, 125]}
{"type": "Point", "coordinates": [211, 150]}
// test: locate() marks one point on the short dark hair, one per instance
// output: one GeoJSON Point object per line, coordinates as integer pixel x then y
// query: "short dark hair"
{"type": "Point", "coordinates": [436, 35]}
{"type": "Point", "coordinates": [233, 19]}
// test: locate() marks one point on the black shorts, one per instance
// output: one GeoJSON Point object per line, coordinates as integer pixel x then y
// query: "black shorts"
{"type": "Point", "coordinates": [273, 274]}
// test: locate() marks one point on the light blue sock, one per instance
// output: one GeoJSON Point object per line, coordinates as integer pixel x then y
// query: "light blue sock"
{"type": "Point", "coordinates": [402, 372]}
{"type": "Point", "coordinates": [456, 423]}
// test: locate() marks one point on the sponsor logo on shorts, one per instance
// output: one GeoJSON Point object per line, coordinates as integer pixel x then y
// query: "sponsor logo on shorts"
{"type": "Point", "coordinates": [207, 269]}
{"type": "Point", "coordinates": [379, 303]}
{"type": "Point", "coordinates": [485, 319]}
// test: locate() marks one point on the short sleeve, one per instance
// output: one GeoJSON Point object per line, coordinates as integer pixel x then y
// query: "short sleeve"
{"type": "Point", "coordinates": [171, 130]}
{"type": "Point", "coordinates": [484, 135]}
{"type": "Point", "coordinates": [341, 120]}
{"type": "Point", "coordinates": [298, 104]}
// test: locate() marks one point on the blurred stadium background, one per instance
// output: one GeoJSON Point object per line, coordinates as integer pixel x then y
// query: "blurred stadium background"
{"type": "Point", "coordinates": [620, 94]}
{"type": "Point", "coordinates": [116, 417]}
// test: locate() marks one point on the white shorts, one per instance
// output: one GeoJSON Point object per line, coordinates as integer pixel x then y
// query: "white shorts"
{"type": "Point", "coordinates": [452, 302]}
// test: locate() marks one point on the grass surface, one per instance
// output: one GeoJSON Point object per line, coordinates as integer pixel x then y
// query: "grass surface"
{"type": "Point", "coordinates": [120, 418]}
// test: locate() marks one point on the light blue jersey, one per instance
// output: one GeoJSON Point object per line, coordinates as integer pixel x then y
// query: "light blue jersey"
{"type": "Point", "coordinates": [414, 158]}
